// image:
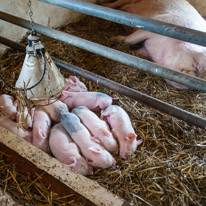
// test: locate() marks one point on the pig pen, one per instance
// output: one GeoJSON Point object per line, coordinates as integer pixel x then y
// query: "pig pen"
{"type": "Point", "coordinates": [167, 169]}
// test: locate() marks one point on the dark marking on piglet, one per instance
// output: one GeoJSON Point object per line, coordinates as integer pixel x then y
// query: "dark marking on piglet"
{"type": "Point", "coordinates": [77, 110]}
{"type": "Point", "coordinates": [100, 94]}
{"type": "Point", "coordinates": [60, 110]}
{"type": "Point", "coordinates": [71, 123]}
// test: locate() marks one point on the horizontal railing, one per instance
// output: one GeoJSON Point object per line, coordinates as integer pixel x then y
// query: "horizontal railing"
{"type": "Point", "coordinates": [136, 62]}
{"type": "Point", "coordinates": [166, 29]}
{"type": "Point", "coordinates": [121, 89]}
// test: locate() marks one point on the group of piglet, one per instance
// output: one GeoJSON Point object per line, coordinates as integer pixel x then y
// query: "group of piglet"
{"type": "Point", "coordinates": [79, 139]}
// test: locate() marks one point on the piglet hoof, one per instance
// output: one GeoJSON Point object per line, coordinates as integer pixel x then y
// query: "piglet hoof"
{"type": "Point", "coordinates": [117, 38]}
{"type": "Point", "coordinates": [114, 163]}
{"type": "Point", "coordinates": [115, 100]}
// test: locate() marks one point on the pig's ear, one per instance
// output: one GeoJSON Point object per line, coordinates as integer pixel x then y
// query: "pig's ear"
{"type": "Point", "coordinates": [41, 134]}
{"type": "Point", "coordinates": [90, 162]}
{"type": "Point", "coordinates": [104, 132]}
{"type": "Point", "coordinates": [74, 79]}
{"type": "Point", "coordinates": [131, 137]}
{"type": "Point", "coordinates": [139, 141]}
{"type": "Point", "coordinates": [71, 162]}
{"type": "Point", "coordinates": [95, 139]}
{"type": "Point", "coordinates": [95, 150]}
{"type": "Point", "coordinates": [15, 103]}
{"type": "Point", "coordinates": [1, 108]}
{"type": "Point", "coordinates": [32, 113]}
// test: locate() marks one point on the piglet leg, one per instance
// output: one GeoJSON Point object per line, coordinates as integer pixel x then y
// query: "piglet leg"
{"type": "Point", "coordinates": [120, 3]}
{"type": "Point", "coordinates": [134, 38]}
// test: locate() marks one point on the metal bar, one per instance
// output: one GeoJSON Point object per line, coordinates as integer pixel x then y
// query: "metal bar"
{"type": "Point", "coordinates": [121, 89]}
{"type": "Point", "coordinates": [170, 30]}
{"type": "Point", "coordinates": [164, 72]}
{"type": "Point", "coordinates": [12, 44]}
{"type": "Point", "coordinates": [134, 94]}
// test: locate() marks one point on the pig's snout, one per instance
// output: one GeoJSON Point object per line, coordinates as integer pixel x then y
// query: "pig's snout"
{"type": "Point", "coordinates": [29, 128]}
{"type": "Point", "coordinates": [123, 156]}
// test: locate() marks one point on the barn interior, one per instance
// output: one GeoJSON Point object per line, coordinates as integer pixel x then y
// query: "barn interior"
{"type": "Point", "coordinates": [168, 168]}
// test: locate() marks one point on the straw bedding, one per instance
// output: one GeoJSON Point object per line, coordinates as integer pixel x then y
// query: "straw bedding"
{"type": "Point", "coordinates": [169, 167]}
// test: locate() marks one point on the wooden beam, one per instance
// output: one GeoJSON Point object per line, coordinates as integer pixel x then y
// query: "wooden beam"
{"type": "Point", "coordinates": [61, 178]}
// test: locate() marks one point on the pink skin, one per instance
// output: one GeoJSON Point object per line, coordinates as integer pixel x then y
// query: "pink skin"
{"type": "Point", "coordinates": [95, 154]}
{"type": "Point", "coordinates": [53, 109]}
{"type": "Point", "coordinates": [122, 129]}
{"type": "Point", "coordinates": [12, 127]}
{"type": "Point", "coordinates": [41, 130]}
{"type": "Point", "coordinates": [7, 106]}
{"type": "Point", "coordinates": [29, 118]}
{"type": "Point", "coordinates": [120, 3]}
{"type": "Point", "coordinates": [175, 54]}
{"type": "Point", "coordinates": [97, 127]}
{"type": "Point", "coordinates": [92, 100]}
{"type": "Point", "coordinates": [66, 151]}
{"type": "Point", "coordinates": [73, 84]}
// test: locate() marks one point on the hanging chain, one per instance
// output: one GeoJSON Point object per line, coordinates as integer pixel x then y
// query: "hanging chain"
{"type": "Point", "coordinates": [30, 15]}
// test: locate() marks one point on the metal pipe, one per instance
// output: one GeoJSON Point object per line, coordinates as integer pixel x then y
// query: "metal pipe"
{"type": "Point", "coordinates": [164, 72]}
{"type": "Point", "coordinates": [134, 94]}
{"type": "Point", "coordinates": [12, 44]}
{"type": "Point", "coordinates": [170, 30]}
{"type": "Point", "coordinates": [121, 89]}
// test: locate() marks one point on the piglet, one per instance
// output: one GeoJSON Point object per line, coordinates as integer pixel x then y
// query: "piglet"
{"type": "Point", "coordinates": [41, 130]}
{"type": "Point", "coordinates": [13, 127]}
{"type": "Point", "coordinates": [95, 154]}
{"type": "Point", "coordinates": [66, 151]}
{"type": "Point", "coordinates": [97, 127]}
{"type": "Point", "coordinates": [7, 106]}
{"type": "Point", "coordinates": [73, 84]}
{"type": "Point", "coordinates": [53, 108]}
{"type": "Point", "coordinates": [122, 129]}
{"type": "Point", "coordinates": [93, 100]}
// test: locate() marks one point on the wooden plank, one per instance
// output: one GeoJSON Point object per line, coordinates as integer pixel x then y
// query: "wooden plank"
{"type": "Point", "coordinates": [59, 176]}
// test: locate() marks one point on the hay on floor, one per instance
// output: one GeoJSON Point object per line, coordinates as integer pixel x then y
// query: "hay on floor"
{"type": "Point", "coordinates": [169, 167]}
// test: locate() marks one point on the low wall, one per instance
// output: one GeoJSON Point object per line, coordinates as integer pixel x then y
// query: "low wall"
{"type": "Point", "coordinates": [45, 14]}
{"type": "Point", "coordinates": [50, 16]}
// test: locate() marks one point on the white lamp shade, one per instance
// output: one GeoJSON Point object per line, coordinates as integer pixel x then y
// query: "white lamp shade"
{"type": "Point", "coordinates": [50, 86]}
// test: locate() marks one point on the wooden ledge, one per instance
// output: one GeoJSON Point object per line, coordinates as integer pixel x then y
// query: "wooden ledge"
{"type": "Point", "coordinates": [62, 179]}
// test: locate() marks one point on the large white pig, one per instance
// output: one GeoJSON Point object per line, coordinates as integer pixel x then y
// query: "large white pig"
{"type": "Point", "coordinates": [7, 106]}
{"type": "Point", "coordinates": [95, 154]}
{"type": "Point", "coordinates": [93, 100]}
{"type": "Point", "coordinates": [41, 130]}
{"type": "Point", "coordinates": [97, 127]}
{"type": "Point", "coordinates": [73, 84]}
{"type": "Point", "coordinates": [175, 54]}
{"type": "Point", "coordinates": [66, 151]}
{"type": "Point", "coordinates": [12, 126]}
{"type": "Point", "coordinates": [122, 129]}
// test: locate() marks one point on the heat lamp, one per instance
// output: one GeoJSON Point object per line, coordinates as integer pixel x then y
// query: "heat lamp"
{"type": "Point", "coordinates": [39, 76]}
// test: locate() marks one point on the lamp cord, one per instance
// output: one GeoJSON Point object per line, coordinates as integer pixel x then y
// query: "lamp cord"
{"type": "Point", "coordinates": [42, 76]}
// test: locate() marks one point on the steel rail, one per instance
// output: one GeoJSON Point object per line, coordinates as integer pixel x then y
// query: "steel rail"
{"type": "Point", "coordinates": [121, 89]}
{"type": "Point", "coordinates": [164, 72]}
{"type": "Point", "coordinates": [159, 27]}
